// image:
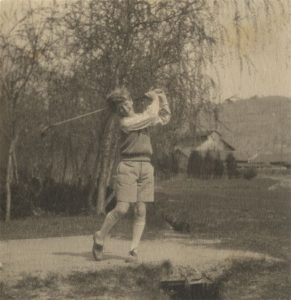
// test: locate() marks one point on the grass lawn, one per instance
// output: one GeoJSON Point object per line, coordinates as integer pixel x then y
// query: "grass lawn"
{"type": "Point", "coordinates": [48, 226]}
{"type": "Point", "coordinates": [242, 214]}
{"type": "Point", "coordinates": [54, 226]}
{"type": "Point", "coordinates": [132, 282]}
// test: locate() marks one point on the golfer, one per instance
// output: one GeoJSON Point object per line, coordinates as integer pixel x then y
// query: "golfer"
{"type": "Point", "coordinates": [135, 173]}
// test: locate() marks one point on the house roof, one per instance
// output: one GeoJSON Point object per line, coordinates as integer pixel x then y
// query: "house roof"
{"type": "Point", "coordinates": [200, 137]}
{"type": "Point", "coordinates": [191, 142]}
{"type": "Point", "coordinates": [184, 150]}
{"type": "Point", "coordinates": [228, 145]}
{"type": "Point", "coordinates": [186, 145]}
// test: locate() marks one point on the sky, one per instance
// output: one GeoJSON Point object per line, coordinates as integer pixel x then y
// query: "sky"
{"type": "Point", "coordinates": [269, 51]}
{"type": "Point", "coordinates": [271, 74]}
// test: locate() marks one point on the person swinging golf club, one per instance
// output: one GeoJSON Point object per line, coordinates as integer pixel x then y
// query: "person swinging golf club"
{"type": "Point", "coordinates": [135, 173]}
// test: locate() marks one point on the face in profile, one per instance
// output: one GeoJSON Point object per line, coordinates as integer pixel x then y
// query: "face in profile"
{"type": "Point", "coordinates": [125, 108]}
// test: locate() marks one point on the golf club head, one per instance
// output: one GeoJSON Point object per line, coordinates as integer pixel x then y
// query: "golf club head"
{"type": "Point", "coordinates": [43, 131]}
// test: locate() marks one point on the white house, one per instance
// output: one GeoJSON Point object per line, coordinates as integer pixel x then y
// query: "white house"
{"type": "Point", "coordinates": [206, 141]}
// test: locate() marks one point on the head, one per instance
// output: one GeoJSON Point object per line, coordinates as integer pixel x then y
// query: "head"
{"type": "Point", "coordinates": [120, 102]}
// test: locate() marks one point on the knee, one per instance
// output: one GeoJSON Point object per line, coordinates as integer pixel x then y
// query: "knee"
{"type": "Point", "coordinates": [140, 211]}
{"type": "Point", "coordinates": [121, 209]}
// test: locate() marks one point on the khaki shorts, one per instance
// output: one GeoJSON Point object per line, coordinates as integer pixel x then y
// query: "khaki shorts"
{"type": "Point", "coordinates": [134, 181]}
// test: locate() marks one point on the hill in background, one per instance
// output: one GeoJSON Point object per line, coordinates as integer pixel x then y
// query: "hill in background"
{"type": "Point", "coordinates": [258, 128]}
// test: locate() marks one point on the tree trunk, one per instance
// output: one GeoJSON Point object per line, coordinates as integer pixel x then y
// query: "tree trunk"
{"type": "Point", "coordinates": [15, 166]}
{"type": "Point", "coordinates": [106, 157]}
{"type": "Point", "coordinates": [112, 161]}
{"type": "Point", "coordinates": [97, 165]}
{"type": "Point", "coordinates": [65, 154]}
{"type": "Point", "coordinates": [76, 175]}
{"type": "Point", "coordinates": [4, 144]}
{"type": "Point", "coordinates": [8, 188]}
{"type": "Point", "coordinates": [9, 176]}
{"type": "Point", "coordinates": [93, 183]}
{"type": "Point", "coordinates": [84, 163]}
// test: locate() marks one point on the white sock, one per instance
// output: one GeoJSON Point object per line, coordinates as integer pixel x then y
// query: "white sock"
{"type": "Point", "coordinates": [110, 220]}
{"type": "Point", "coordinates": [138, 228]}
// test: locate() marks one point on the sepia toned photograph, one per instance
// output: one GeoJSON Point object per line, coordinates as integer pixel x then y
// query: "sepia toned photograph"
{"type": "Point", "coordinates": [145, 149]}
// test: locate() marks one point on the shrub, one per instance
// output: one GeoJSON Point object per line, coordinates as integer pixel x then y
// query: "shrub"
{"type": "Point", "coordinates": [195, 163]}
{"type": "Point", "coordinates": [30, 196]}
{"type": "Point", "coordinates": [165, 165]}
{"type": "Point", "coordinates": [21, 202]}
{"type": "Point", "coordinates": [208, 165]}
{"type": "Point", "coordinates": [63, 198]}
{"type": "Point", "coordinates": [231, 166]}
{"type": "Point", "coordinates": [250, 173]}
{"type": "Point", "coordinates": [218, 169]}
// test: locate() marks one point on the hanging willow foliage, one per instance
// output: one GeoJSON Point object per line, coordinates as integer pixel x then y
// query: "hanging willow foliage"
{"type": "Point", "coordinates": [94, 45]}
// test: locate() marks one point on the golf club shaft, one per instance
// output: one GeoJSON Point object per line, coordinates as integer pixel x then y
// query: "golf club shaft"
{"type": "Point", "coordinates": [45, 129]}
{"type": "Point", "coordinates": [77, 117]}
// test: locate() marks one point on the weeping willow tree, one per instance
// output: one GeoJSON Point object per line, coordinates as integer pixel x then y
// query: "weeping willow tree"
{"type": "Point", "coordinates": [176, 45]}
{"type": "Point", "coordinates": [169, 44]}
{"type": "Point", "coordinates": [140, 44]}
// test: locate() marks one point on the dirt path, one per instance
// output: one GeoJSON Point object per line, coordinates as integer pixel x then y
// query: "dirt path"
{"type": "Point", "coordinates": [281, 182]}
{"type": "Point", "coordinates": [68, 254]}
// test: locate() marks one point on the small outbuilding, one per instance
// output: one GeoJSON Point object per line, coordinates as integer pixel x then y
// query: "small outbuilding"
{"type": "Point", "coordinates": [204, 141]}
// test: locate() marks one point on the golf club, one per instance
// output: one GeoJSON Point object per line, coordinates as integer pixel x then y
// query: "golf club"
{"type": "Point", "coordinates": [46, 128]}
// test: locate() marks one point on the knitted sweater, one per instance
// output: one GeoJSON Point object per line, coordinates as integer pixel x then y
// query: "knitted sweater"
{"type": "Point", "coordinates": [135, 142]}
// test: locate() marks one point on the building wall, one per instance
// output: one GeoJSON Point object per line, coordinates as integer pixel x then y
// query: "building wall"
{"type": "Point", "coordinates": [213, 144]}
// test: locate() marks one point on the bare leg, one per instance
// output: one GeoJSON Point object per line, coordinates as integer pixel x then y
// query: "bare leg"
{"type": "Point", "coordinates": [111, 219]}
{"type": "Point", "coordinates": [138, 224]}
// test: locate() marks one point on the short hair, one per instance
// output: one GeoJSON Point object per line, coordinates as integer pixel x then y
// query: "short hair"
{"type": "Point", "coordinates": [118, 95]}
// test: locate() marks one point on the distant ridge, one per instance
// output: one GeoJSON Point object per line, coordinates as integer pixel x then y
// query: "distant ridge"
{"type": "Point", "coordinates": [258, 127]}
